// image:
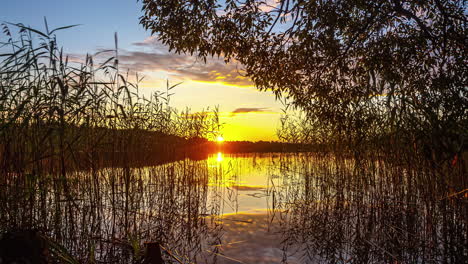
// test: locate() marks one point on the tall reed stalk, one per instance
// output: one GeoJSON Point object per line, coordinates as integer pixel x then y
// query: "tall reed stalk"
{"type": "Point", "coordinates": [60, 118]}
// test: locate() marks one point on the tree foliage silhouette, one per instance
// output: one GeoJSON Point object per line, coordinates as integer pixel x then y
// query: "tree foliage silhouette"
{"type": "Point", "coordinates": [349, 65]}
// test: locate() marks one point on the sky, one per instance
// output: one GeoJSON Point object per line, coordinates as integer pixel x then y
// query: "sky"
{"type": "Point", "coordinates": [247, 114]}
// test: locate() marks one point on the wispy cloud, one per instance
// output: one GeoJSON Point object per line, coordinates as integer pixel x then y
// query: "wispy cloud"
{"type": "Point", "coordinates": [154, 56]}
{"type": "Point", "coordinates": [151, 42]}
{"type": "Point", "coordinates": [245, 110]}
{"type": "Point", "coordinates": [150, 55]}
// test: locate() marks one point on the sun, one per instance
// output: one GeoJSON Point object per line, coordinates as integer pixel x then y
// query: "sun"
{"type": "Point", "coordinates": [220, 139]}
{"type": "Point", "coordinates": [219, 158]}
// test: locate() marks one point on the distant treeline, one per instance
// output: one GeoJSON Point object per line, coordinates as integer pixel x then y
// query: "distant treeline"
{"type": "Point", "coordinates": [261, 146]}
{"type": "Point", "coordinates": [155, 148]}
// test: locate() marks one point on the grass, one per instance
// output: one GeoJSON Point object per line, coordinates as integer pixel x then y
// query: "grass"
{"type": "Point", "coordinates": [71, 133]}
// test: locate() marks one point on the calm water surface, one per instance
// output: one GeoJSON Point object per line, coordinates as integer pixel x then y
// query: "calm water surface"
{"type": "Point", "coordinates": [250, 208]}
{"type": "Point", "coordinates": [304, 208]}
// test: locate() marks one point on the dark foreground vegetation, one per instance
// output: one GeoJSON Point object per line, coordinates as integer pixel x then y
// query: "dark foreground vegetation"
{"type": "Point", "coordinates": [60, 117]}
{"type": "Point", "coordinates": [59, 111]}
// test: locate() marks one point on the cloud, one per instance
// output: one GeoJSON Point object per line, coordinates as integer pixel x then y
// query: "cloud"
{"type": "Point", "coordinates": [148, 42]}
{"type": "Point", "coordinates": [154, 56]}
{"type": "Point", "coordinates": [152, 43]}
{"type": "Point", "coordinates": [150, 55]}
{"type": "Point", "coordinates": [245, 110]}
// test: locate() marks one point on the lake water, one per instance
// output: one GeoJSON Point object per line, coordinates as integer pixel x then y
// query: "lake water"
{"type": "Point", "coordinates": [250, 208]}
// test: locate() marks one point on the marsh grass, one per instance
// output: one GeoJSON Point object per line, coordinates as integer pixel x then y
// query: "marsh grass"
{"type": "Point", "coordinates": [337, 209]}
{"type": "Point", "coordinates": [71, 134]}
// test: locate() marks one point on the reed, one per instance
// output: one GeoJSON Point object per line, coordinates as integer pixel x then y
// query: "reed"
{"type": "Point", "coordinates": [71, 134]}
{"type": "Point", "coordinates": [334, 209]}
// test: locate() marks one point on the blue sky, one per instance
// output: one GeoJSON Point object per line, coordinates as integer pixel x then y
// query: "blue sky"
{"type": "Point", "coordinates": [99, 20]}
{"type": "Point", "coordinates": [248, 113]}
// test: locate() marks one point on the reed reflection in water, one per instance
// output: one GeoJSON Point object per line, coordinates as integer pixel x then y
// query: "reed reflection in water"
{"type": "Point", "coordinates": [250, 208]}
{"type": "Point", "coordinates": [312, 208]}
{"type": "Point", "coordinates": [110, 213]}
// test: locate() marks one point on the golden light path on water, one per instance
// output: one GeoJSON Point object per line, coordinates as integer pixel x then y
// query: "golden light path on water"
{"type": "Point", "coordinates": [244, 178]}
{"type": "Point", "coordinates": [245, 182]}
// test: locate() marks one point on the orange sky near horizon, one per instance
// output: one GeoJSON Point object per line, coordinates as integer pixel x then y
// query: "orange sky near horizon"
{"type": "Point", "coordinates": [245, 113]}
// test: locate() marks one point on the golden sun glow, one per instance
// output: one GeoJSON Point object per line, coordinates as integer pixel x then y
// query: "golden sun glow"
{"type": "Point", "coordinates": [219, 158]}
{"type": "Point", "coordinates": [220, 139]}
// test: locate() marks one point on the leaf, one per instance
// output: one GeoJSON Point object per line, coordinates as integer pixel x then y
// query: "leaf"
{"type": "Point", "coordinates": [65, 27]}
{"type": "Point", "coordinates": [30, 29]}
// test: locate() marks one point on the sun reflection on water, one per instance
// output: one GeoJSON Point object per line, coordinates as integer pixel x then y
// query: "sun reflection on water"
{"type": "Point", "coordinates": [219, 158]}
